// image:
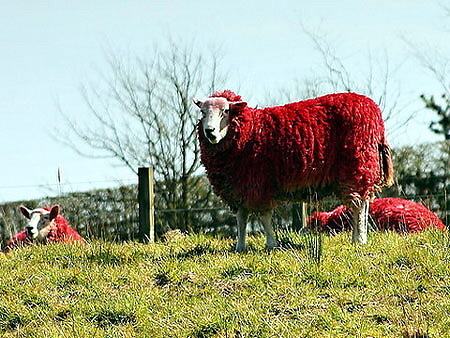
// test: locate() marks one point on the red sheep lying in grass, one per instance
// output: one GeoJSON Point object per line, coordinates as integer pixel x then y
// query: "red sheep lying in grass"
{"type": "Point", "coordinates": [395, 214]}
{"type": "Point", "coordinates": [257, 158]}
{"type": "Point", "coordinates": [45, 225]}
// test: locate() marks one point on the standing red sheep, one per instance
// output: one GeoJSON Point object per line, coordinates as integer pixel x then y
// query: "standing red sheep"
{"type": "Point", "coordinates": [45, 225]}
{"type": "Point", "coordinates": [394, 214]}
{"type": "Point", "coordinates": [257, 158]}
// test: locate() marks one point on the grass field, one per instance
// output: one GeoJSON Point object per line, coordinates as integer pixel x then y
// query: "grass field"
{"type": "Point", "coordinates": [195, 286]}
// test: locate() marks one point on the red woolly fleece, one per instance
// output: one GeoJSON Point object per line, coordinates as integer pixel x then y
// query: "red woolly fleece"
{"type": "Point", "coordinates": [62, 233]}
{"type": "Point", "coordinates": [395, 214]}
{"type": "Point", "coordinates": [277, 153]}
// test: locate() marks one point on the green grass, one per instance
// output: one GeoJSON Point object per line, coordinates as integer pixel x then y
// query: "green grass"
{"type": "Point", "coordinates": [396, 286]}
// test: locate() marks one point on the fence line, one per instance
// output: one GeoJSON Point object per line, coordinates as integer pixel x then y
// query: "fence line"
{"type": "Point", "coordinates": [113, 212]}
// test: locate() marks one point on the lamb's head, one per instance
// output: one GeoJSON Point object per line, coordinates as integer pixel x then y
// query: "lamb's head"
{"type": "Point", "coordinates": [40, 221]}
{"type": "Point", "coordinates": [216, 115]}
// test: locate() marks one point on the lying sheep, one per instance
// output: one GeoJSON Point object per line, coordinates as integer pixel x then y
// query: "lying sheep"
{"type": "Point", "coordinates": [257, 158]}
{"type": "Point", "coordinates": [45, 225]}
{"type": "Point", "coordinates": [394, 214]}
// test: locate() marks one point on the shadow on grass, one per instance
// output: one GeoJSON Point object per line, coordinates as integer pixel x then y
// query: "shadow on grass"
{"type": "Point", "coordinates": [10, 321]}
{"type": "Point", "coordinates": [162, 279]}
{"type": "Point", "coordinates": [415, 334]}
{"type": "Point", "coordinates": [105, 254]}
{"type": "Point", "coordinates": [207, 330]}
{"type": "Point", "coordinates": [106, 318]}
{"type": "Point", "coordinates": [62, 315]}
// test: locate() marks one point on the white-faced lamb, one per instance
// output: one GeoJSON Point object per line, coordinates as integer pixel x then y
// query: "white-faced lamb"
{"type": "Point", "coordinates": [45, 225]}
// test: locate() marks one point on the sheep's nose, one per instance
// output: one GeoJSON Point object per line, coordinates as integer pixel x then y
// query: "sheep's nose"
{"type": "Point", "coordinates": [209, 134]}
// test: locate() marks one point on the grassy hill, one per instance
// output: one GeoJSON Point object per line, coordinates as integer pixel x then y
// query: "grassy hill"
{"type": "Point", "coordinates": [197, 287]}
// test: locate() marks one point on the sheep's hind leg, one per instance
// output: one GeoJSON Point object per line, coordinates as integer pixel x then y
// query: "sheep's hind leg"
{"type": "Point", "coordinates": [360, 221]}
{"type": "Point", "coordinates": [241, 217]}
{"type": "Point", "coordinates": [271, 241]}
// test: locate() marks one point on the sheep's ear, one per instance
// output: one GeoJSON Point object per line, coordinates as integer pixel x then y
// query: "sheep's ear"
{"type": "Point", "coordinates": [237, 106]}
{"type": "Point", "coordinates": [25, 211]}
{"type": "Point", "coordinates": [198, 103]}
{"type": "Point", "coordinates": [54, 212]}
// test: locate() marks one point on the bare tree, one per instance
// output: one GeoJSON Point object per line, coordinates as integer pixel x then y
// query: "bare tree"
{"type": "Point", "coordinates": [432, 58]}
{"type": "Point", "coordinates": [374, 79]}
{"type": "Point", "coordinates": [435, 62]}
{"type": "Point", "coordinates": [142, 114]}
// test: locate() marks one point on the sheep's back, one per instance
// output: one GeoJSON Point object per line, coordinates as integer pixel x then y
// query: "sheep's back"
{"type": "Point", "coordinates": [63, 232]}
{"type": "Point", "coordinates": [403, 215]}
{"type": "Point", "coordinates": [395, 214]}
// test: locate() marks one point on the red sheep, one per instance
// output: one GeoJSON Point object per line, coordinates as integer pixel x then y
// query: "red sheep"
{"type": "Point", "coordinates": [395, 214]}
{"type": "Point", "coordinates": [257, 158]}
{"type": "Point", "coordinates": [45, 225]}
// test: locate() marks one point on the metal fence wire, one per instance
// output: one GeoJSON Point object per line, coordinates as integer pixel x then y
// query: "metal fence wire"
{"type": "Point", "coordinates": [112, 214]}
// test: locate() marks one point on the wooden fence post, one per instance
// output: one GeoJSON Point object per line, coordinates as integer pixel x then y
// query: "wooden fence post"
{"type": "Point", "coordinates": [304, 214]}
{"type": "Point", "coordinates": [146, 198]}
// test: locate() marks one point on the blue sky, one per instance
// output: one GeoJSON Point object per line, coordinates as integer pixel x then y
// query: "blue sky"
{"type": "Point", "coordinates": [50, 48]}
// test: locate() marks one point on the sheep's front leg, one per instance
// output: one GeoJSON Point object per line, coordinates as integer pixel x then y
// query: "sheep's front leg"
{"type": "Point", "coordinates": [241, 217]}
{"type": "Point", "coordinates": [360, 221]}
{"type": "Point", "coordinates": [271, 241]}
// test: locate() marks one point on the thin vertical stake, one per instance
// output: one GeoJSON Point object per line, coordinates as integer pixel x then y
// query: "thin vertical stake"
{"type": "Point", "coordinates": [296, 217]}
{"type": "Point", "coordinates": [304, 215]}
{"type": "Point", "coordinates": [59, 181]}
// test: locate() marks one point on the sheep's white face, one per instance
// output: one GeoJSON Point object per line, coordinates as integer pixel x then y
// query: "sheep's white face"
{"type": "Point", "coordinates": [40, 221]}
{"type": "Point", "coordinates": [215, 118]}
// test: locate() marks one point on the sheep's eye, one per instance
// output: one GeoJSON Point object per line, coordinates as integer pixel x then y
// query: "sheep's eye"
{"type": "Point", "coordinates": [226, 111]}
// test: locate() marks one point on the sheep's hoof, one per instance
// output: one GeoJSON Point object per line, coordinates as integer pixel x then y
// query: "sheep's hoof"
{"type": "Point", "coordinates": [272, 246]}
{"type": "Point", "coordinates": [240, 248]}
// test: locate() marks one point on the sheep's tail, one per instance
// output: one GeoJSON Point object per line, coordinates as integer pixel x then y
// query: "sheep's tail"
{"type": "Point", "coordinates": [387, 167]}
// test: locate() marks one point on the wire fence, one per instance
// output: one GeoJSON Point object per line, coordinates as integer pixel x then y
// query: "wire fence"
{"type": "Point", "coordinates": [112, 214]}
